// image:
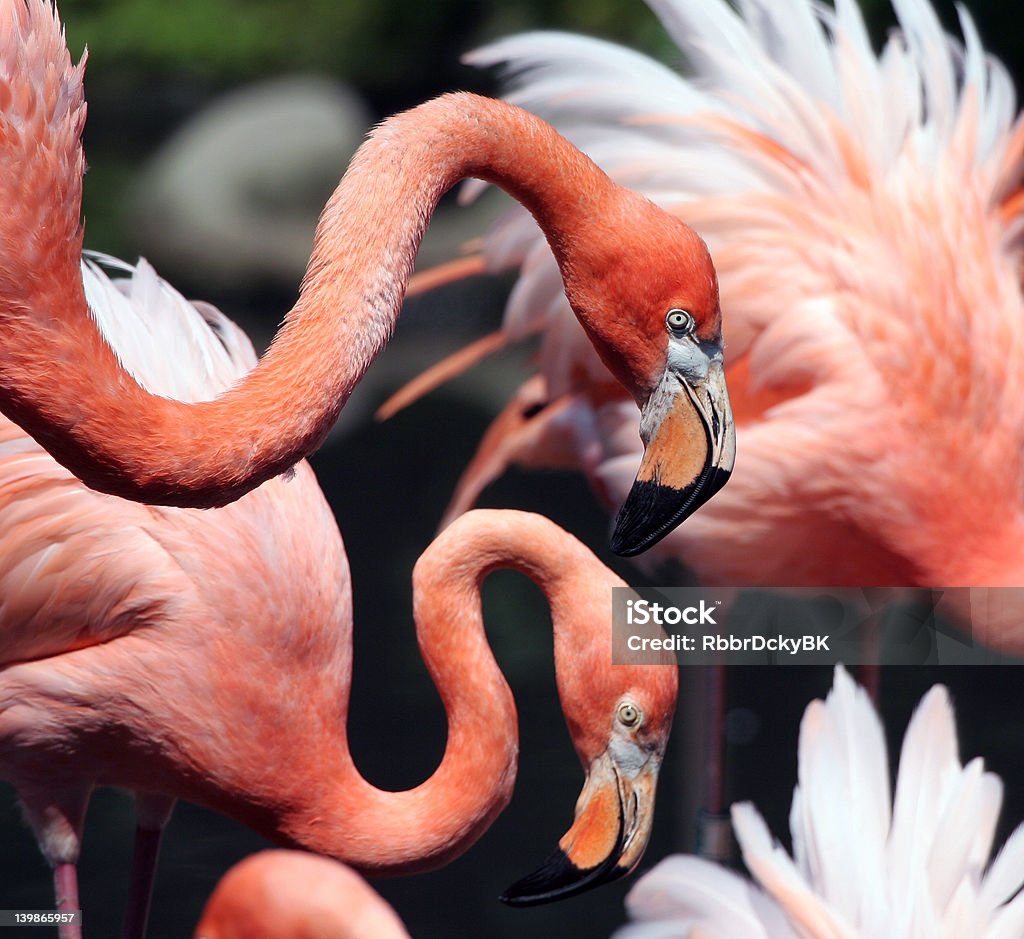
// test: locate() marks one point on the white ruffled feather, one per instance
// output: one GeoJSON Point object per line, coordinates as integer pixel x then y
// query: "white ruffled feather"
{"type": "Point", "coordinates": [202, 352]}
{"type": "Point", "coordinates": [866, 866]}
{"type": "Point", "coordinates": [799, 73]}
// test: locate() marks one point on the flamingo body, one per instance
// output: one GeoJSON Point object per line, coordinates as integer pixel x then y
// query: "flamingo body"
{"type": "Point", "coordinates": [106, 603]}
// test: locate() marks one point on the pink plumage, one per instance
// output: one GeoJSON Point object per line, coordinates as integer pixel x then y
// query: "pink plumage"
{"type": "Point", "coordinates": [110, 610]}
{"type": "Point", "coordinates": [862, 210]}
{"type": "Point", "coordinates": [206, 655]}
{"type": "Point", "coordinates": [292, 895]}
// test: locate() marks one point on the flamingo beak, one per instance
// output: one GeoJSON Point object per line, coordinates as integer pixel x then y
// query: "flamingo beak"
{"type": "Point", "coordinates": [608, 837]}
{"type": "Point", "coordinates": [689, 451]}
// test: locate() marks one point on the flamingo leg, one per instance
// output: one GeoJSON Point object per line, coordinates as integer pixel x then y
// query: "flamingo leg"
{"type": "Point", "coordinates": [65, 891]}
{"type": "Point", "coordinates": [869, 672]}
{"type": "Point", "coordinates": [153, 813]}
{"type": "Point", "coordinates": [714, 828]}
{"type": "Point", "coordinates": [869, 675]}
{"type": "Point", "coordinates": [57, 816]}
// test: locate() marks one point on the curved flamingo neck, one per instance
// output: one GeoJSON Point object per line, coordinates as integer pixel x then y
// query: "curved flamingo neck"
{"type": "Point", "coordinates": [62, 382]}
{"type": "Point", "coordinates": [425, 827]}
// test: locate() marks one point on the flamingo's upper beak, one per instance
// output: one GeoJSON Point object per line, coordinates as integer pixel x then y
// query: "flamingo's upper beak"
{"type": "Point", "coordinates": [690, 447]}
{"type": "Point", "coordinates": [608, 837]}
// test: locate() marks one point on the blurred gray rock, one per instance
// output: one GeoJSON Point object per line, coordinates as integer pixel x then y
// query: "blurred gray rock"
{"type": "Point", "coordinates": [235, 194]}
{"type": "Point", "coordinates": [230, 202]}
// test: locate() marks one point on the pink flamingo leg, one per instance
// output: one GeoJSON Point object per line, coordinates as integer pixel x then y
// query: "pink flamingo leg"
{"type": "Point", "coordinates": [56, 816]}
{"type": "Point", "coordinates": [65, 890]}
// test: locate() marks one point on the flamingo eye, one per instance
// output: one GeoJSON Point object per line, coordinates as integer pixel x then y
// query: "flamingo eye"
{"type": "Point", "coordinates": [680, 322]}
{"type": "Point", "coordinates": [629, 714]}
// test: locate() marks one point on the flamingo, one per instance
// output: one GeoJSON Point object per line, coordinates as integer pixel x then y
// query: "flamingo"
{"type": "Point", "coordinates": [293, 895]}
{"type": "Point", "coordinates": [139, 652]}
{"type": "Point", "coordinates": [868, 863]}
{"type": "Point", "coordinates": [864, 215]}
{"type": "Point", "coordinates": [641, 282]}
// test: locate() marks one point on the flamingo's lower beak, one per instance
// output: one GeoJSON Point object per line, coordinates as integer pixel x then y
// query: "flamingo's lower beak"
{"type": "Point", "coordinates": [607, 839]}
{"type": "Point", "coordinates": [690, 448]}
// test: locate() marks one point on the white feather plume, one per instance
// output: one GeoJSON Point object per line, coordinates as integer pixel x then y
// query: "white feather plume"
{"type": "Point", "coordinates": [866, 867]}
{"type": "Point", "coordinates": [202, 352]}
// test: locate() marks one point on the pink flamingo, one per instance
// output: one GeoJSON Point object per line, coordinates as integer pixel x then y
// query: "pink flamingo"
{"type": "Point", "coordinates": [640, 281]}
{"type": "Point", "coordinates": [294, 895]}
{"type": "Point", "coordinates": [140, 653]}
{"type": "Point", "coordinates": [869, 862]}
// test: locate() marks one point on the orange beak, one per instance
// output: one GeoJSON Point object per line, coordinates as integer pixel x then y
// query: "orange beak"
{"type": "Point", "coordinates": [608, 837]}
{"type": "Point", "coordinates": [689, 450]}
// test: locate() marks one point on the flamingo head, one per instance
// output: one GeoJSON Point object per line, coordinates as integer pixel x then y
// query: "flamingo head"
{"type": "Point", "coordinates": [619, 717]}
{"type": "Point", "coordinates": [644, 288]}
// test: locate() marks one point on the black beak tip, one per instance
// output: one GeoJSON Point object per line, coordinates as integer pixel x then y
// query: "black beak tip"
{"type": "Point", "coordinates": [558, 878]}
{"type": "Point", "coordinates": [625, 546]}
{"type": "Point", "coordinates": [649, 513]}
{"type": "Point", "coordinates": [652, 510]}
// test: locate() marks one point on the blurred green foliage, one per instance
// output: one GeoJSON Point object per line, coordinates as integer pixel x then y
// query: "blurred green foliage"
{"type": "Point", "coordinates": [628, 21]}
{"type": "Point", "coordinates": [234, 40]}
{"type": "Point", "coordinates": [375, 44]}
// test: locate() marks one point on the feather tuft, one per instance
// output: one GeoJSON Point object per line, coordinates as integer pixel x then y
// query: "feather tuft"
{"type": "Point", "coordinates": [858, 872]}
